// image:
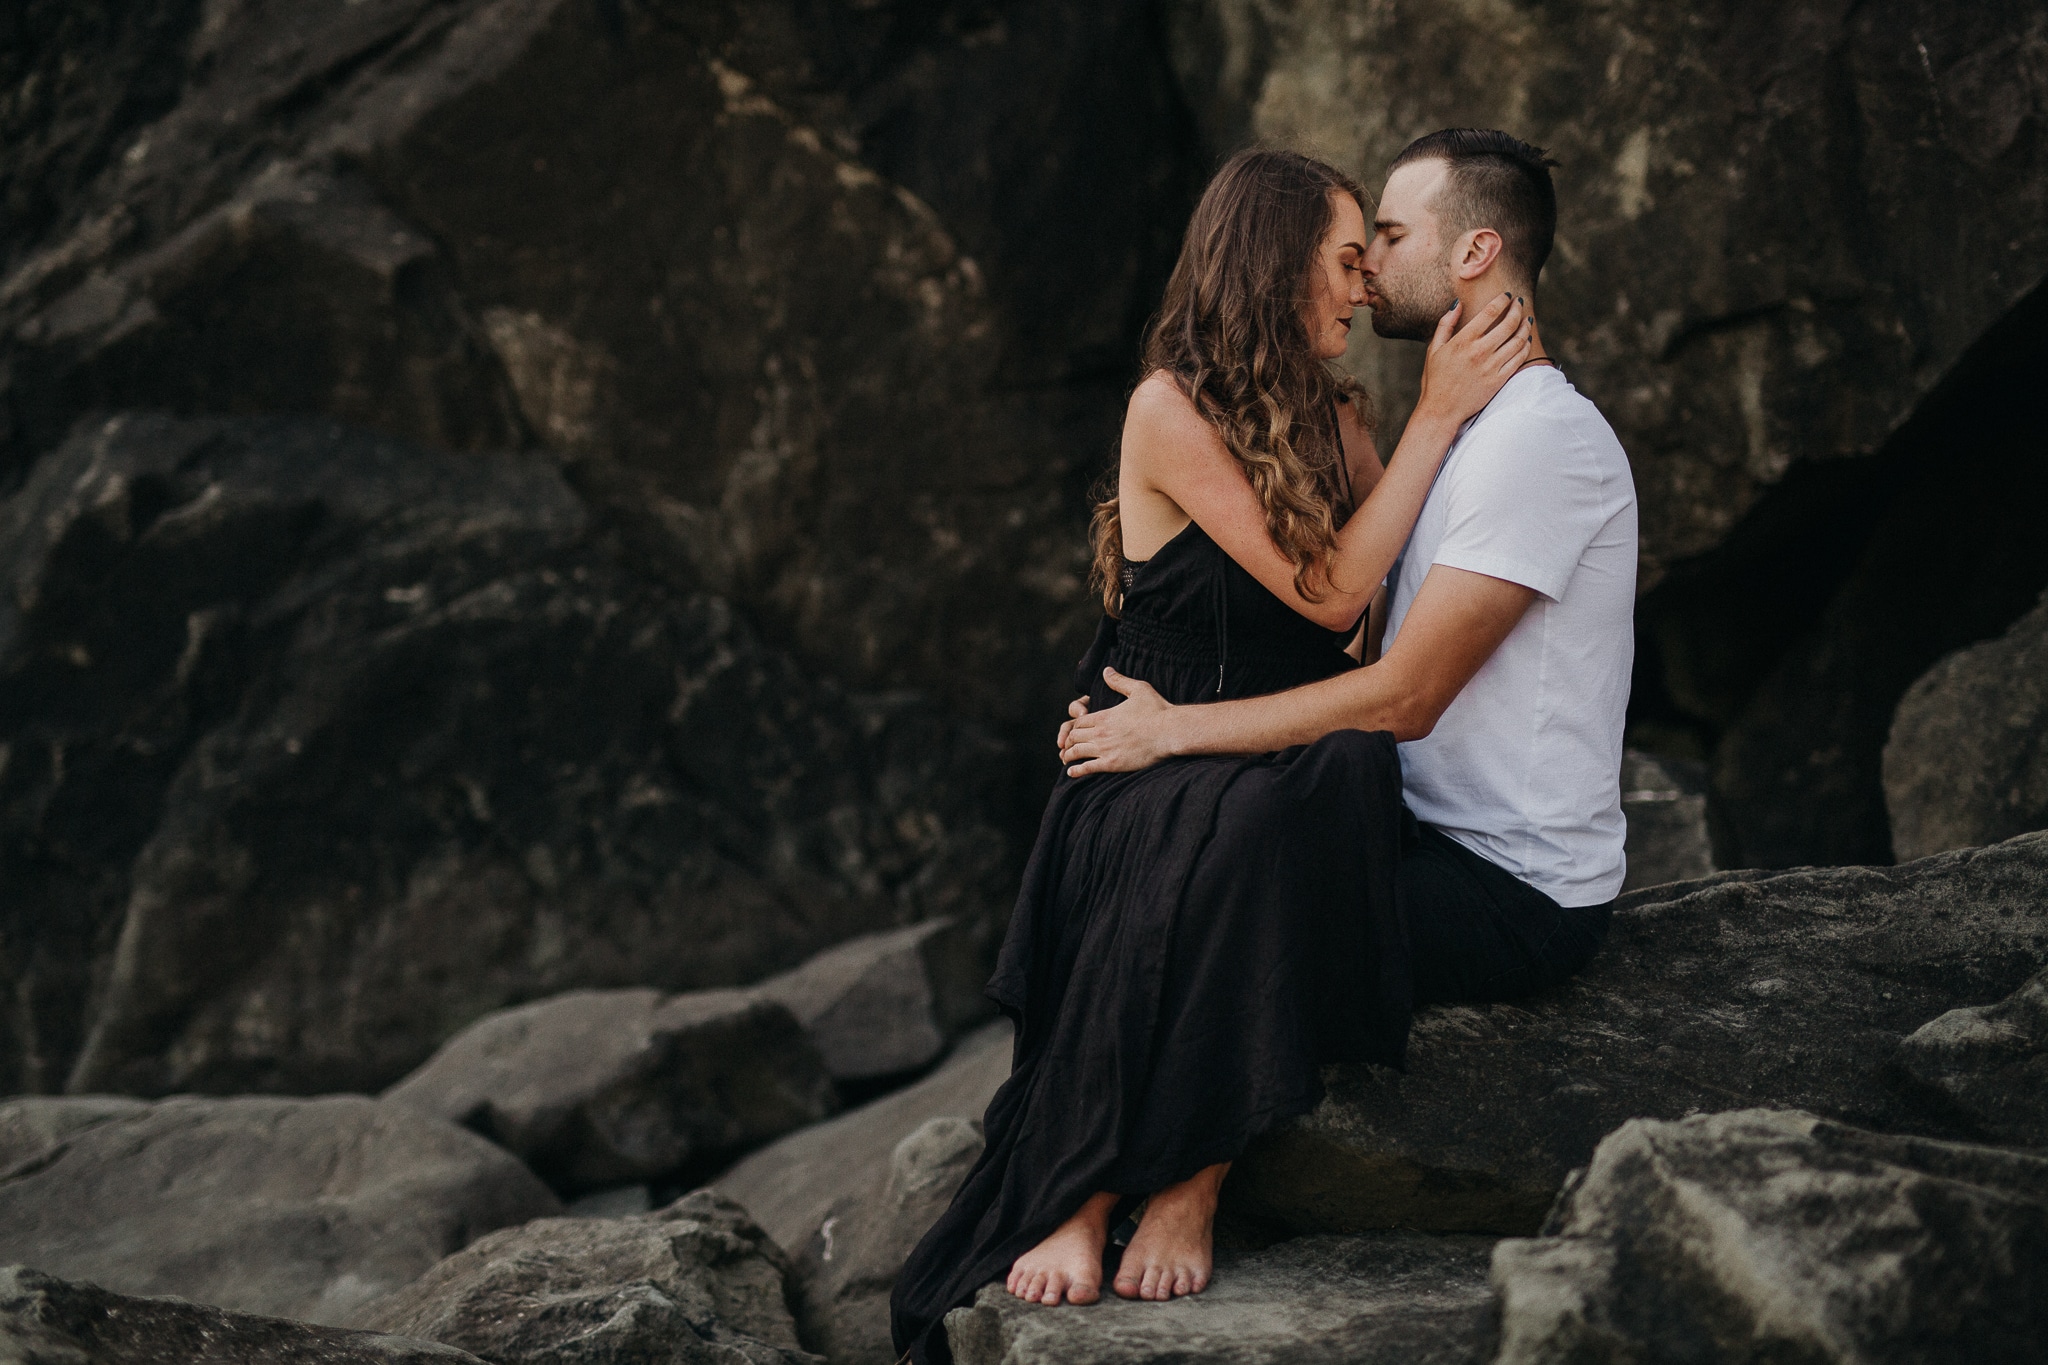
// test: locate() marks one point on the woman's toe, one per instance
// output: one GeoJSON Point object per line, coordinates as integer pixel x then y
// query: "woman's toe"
{"type": "Point", "coordinates": [1183, 1283]}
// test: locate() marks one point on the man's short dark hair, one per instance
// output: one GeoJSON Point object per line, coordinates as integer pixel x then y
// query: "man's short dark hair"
{"type": "Point", "coordinates": [1493, 181]}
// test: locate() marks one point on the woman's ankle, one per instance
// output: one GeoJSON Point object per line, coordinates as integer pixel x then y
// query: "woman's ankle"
{"type": "Point", "coordinates": [1094, 1215]}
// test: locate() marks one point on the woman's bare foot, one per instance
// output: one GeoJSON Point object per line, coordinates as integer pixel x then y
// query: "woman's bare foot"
{"type": "Point", "coordinates": [1173, 1252]}
{"type": "Point", "coordinates": [1068, 1263]}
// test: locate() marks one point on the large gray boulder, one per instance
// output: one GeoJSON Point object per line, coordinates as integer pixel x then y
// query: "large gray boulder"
{"type": "Point", "coordinates": [1791, 990]}
{"type": "Point", "coordinates": [322, 745]}
{"type": "Point", "coordinates": [849, 1198]}
{"type": "Point", "coordinates": [1770, 1235]}
{"type": "Point", "coordinates": [46, 1321]}
{"type": "Point", "coordinates": [33, 1124]}
{"type": "Point", "coordinates": [696, 1283]}
{"type": "Point", "coordinates": [1374, 1300]}
{"type": "Point", "coordinates": [1664, 801]}
{"type": "Point", "coordinates": [596, 1089]}
{"type": "Point", "coordinates": [888, 1003]}
{"type": "Point", "coordinates": [1967, 761]}
{"type": "Point", "coordinates": [1991, 1062]}
{"type": "Point", "coordinates": [291, 1208]}
{"type": "Point", "coordinates": [791, 1185]}
{"type": "Point", "coordinates": [843, 1276]}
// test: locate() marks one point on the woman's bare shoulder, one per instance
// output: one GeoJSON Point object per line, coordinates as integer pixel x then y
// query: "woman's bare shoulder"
{"type": "Point", "coordinates": [1160, 408]}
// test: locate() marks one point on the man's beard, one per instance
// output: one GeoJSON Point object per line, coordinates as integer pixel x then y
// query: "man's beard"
{"type": "Point", "coordinates": [1411, 306]}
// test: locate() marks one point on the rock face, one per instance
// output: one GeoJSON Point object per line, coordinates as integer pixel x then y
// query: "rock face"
{"type": "Point", "coordinates": [1991, 1062]}
{"type": "Point", "coordinates": [322, 745]}
{"type": "Point", "coordinates": [845, 1272]}
{"type": "Point", "coordinates": [601, 1088]}
{"type": "Point", "coordinates": [1967, 762]}
{"type": "Point", "coordinates": [1380, 1300]}
{"type": "Point", "coordinates": [1786, 990]}
{"type": "Point", "coordinates": [1665, 803]}
{"type": "Point", "coordinates": [791, 1185]}
{"type": "Point", "coordinates": [507, 221]}
{"type": "Point", "coordinates": [695, 1282]}
{"type": "Point", "coordinates": [293, 1208]}
{"type": "Point", "coordinates": [849, 1198]}
{"type": "Point", "coordinates": [44, 1321]}
{"type": "Point", "coordinates": [883, 1004]}
{"type": "Point", "coordinates": [1761, 1235]}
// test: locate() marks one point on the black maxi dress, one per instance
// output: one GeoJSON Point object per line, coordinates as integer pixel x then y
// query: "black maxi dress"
{"type": "Point", "coordinates": [1190, 942]}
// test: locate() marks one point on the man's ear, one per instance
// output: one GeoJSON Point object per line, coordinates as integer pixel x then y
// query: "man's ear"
{"type": "Point", "coordinates": [1476, 252]}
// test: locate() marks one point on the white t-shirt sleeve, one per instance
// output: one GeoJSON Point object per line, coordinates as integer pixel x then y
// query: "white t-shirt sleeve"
{"type": "Point", "coordinates": [1523, 500]}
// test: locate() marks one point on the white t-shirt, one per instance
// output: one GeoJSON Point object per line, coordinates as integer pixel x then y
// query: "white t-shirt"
{"type": "Point", "coordinates": [1524, 768]}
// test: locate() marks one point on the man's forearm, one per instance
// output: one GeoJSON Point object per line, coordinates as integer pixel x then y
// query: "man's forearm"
{"type": "Point", "coordinates": [1363, 699]}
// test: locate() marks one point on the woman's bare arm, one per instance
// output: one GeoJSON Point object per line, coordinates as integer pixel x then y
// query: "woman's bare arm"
{"type": "Point", "coordinates": [1173, 455]}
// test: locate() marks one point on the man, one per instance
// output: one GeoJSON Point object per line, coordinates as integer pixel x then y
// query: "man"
{"type": "Point", "coordinates": [1509, 620]}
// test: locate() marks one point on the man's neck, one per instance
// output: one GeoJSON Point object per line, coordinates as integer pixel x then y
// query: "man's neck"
{"type": "Point", "coordinates": [1474, 295]}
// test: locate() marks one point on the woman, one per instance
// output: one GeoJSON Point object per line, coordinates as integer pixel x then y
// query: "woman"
{"type": "Point", "coordinates": [1193, 940]}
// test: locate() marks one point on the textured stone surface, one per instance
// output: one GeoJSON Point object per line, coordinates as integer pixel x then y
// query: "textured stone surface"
{"type": "Point", "coordinates": [295, 1208]}
{"type": "Point", "coordinates": [1376, 1300]}
{"type": "Point", "coordinates": [1749, 989]}
{"type": "Point", "coordinates": [886, 1003]}
{"type": "Point", "coordinates": [503, 221]}
{"type": "Point", "coordinates": [791, 1185]}
{"type": "Point", "coordinates": [600, 1088]}
{"type": "Point", "coordinates": [32, 1124]}
{"type": "Point", "coordinates": [321, 745]}
{"type": "Point", "coordinates": [1967, 762]}
{"type": "Point", "coordinates": [1762, 1235]}
{"type": "Point", "coordinates": [46, 1321]}
{"type": "Point", "coordinates": [1991, 1062]}
{"type": "Point", "coordinates": [1665, 803]}
{"type": "Point", "coordinates": [696, 1283]}
{"type": "Point", "coordinates": [842, 1278]}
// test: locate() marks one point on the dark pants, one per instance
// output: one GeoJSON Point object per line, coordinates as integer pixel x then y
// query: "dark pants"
{"type": "Point", "coordinates": [1476, 933]}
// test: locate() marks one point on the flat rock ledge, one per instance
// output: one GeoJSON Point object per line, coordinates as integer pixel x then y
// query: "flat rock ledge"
{"type": "Point", "coordinates": [1787, 991]}
{"type": "Point", "coordinates": [47, 1321]}
{"type": "Point", "coordinates": [1387, 1299]}
{"type": "Point", "coordinates": [293, 1208]}
{"type": "Point", "coordinates": [1765, 1235]}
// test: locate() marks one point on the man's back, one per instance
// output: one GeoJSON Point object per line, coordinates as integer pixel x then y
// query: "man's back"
{"type": "Point", "coordinates": [1524, 766]}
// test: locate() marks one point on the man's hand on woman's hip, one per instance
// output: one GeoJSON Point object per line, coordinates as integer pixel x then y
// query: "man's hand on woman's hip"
{"type": "Point", "coordinates": [1121, 739]}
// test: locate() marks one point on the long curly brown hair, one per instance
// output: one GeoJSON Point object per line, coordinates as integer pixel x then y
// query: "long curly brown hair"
{"type": "Point", "coordinates": [1230, 333]}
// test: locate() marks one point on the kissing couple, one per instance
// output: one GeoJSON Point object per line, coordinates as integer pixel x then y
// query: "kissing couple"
{"type": "Point", "coordinates": [1351, 742]}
